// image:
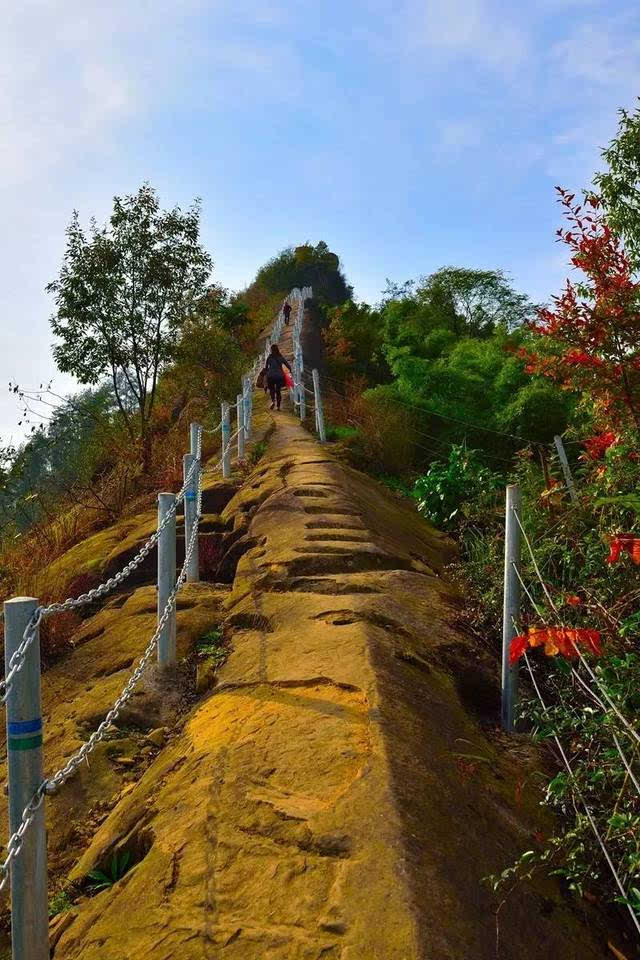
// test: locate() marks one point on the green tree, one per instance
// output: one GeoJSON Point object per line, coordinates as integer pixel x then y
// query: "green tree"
{"type": "Point", "coordinates": [208, 364]}
{"type": "Point", "coordinates": [473, 302]}
{"type": "Point", "coordinates": [353, 340]}
{"type": "Point", "coordinates": [619, 185]}
{"type": "Point", "coordinates": [122, 293]}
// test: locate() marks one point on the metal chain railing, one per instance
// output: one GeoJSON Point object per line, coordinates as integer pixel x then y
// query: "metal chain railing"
{"type": "Point", "coordinates": [52, 784]}
{"type": "Point", "coordinates": [214, 429]}
{"type": "Point", "coordinates": [71, 603]}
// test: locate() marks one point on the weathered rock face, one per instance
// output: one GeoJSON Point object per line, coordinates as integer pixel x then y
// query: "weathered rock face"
{"type": "Point", "coordinates": [316, 803]}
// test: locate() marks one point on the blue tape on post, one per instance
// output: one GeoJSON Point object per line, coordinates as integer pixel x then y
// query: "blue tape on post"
{"type": "Point", "coordinates": [16, 727]}
{"type": "Point", "coordinates": [18, 730]}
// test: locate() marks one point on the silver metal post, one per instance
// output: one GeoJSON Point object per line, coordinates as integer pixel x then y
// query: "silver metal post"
{"type": "Point", "coordinates": [226, 439]}
{"type": "Point", "coordinates": [511, 604]}
{"type": "Point", "coordinates": [240, 424]}
{"type": "Point", "coordinates": [297, 385]}
{"type": "Point", "coordinates": [566, 469]}
{"type": "Point", "coordinates": [29, 906]}
{"type": "Point", "coordinates": [319, 411]}
{"type": "Point", "coordinates": [193, 435]}
{"type": "Point", "coordinates": [190, 515]}
{"type": "Point", "coordinates": [248, 407]}
{"type": "Point", "coordinates": [166, 578]}
{"type": "Point", "coordinates": [249, 419]}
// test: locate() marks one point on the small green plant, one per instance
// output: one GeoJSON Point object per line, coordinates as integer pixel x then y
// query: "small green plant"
{"type": "Point", "coordinates": [336, 433]}
{"type": "Point", "coordinates": [60, 902]}
{"type": "Point", "coordinates": [397, 484]}
{"type": "Point", "coordinates": [117, 869]}
{"type": "Point", "coordinates": [212, 646]}
{"type": "Point", "coordinates": [258, 452]}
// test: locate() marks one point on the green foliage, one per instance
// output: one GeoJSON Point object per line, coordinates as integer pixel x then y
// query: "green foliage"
{"type": "Point", "coordinates": [258, 452]}
{"type": "Point", "coordinates": [599, 778]}
{"type": "Point", "coordinates": [571, 543]}
{"type": "Point", "coordinates": [447, 490]}
{"type": "Point", "coordinates": [449, 348]}
{"type": "Point", "coordinates": [336, 433]}
{"type": "Point", "coordinates": [464, 302]}
{"type": "Point", "coordinates": [538, 412]}
{"type": "Point", "coordinates": [481, 383]}
{"type": "Point", "coordinates": [212, 646]}
{"type": "Point", "coordinates": [66, 458]}
{"type": "Point", "coordinates": [122, 294]}
{"type": "Point", "coordinates": [208, 361]}
{"type": "Point", "coordinates": [619, 185]}
{"type": "Point", "coordinates": [354, 342]}
{"type": "Point", "coordinates": [99, 880]}
{"type": "Point", "coordinates": [59, 903]}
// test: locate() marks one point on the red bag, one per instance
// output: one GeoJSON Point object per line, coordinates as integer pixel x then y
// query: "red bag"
{"type": "Point", "coordinates": [288, 379]}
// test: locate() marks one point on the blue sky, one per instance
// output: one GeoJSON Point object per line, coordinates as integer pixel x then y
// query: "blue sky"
{"type": "Point", "coordinates": [406, 134]}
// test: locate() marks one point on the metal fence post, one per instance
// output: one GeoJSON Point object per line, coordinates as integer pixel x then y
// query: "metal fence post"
{"type": "Point", "coordinates": [511, 604]}
{"type": "Point", "coordinates": [297, 392]}
{"type": "Point", "coordinates": [240, 424]}
{"type": "Point", "coordinates": [190, 518]}
{"type": "Point", "coordinates": [566, 469]}
{"type": "Point", "coordinates": [29, 903]}
{"type": "Point", "coordinates": [194, 429]}
{"type": "Point", "coordinates": [226, 441]}
{"type": "Point", "coordinates": [319, 411]}
{"type": "Point", "coordinates": [167, 578]}
{"type": "Point", "coordinates": [297, 376]}
{"type": "Point", "coordinates": [248, 406]}
{"type": "Point", "coordinates": [249, 420]}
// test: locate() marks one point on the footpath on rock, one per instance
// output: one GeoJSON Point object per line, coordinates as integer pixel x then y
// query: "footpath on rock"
{"type": "Point", "coordinates": [312, 801]}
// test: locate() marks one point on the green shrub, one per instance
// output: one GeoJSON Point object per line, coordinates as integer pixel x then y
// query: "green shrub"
{"type": "Point", "coordinates": [449, 492]}
{"type": "Point", "coordinates": [336, 433]}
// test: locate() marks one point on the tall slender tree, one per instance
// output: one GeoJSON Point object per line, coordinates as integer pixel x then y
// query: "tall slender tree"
{"type": "Point", "coordinates": [123, 292]}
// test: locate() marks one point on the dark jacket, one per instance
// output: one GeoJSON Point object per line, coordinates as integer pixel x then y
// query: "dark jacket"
{"type": "Point", "coordinates": [273, 367]}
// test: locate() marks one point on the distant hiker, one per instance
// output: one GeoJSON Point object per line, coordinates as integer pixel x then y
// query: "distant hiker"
{"type": "Point", "coordinates": [274, 370]}
{"type": "Point", "coordinates": [287, 312]}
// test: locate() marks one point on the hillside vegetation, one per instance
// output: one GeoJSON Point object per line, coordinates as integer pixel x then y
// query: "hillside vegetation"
{"type": "Point", "coordinates": [454, 386]}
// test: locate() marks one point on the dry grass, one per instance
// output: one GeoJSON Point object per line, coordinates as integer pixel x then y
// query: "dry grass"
{"type": "Point", "coordinates": [385, 430]}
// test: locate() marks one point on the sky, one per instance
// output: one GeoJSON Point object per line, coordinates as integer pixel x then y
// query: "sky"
{"type": "Point", "coordinates": [407, 134]}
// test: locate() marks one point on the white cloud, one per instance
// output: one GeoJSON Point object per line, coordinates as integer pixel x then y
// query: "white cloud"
{"type": "Point", "coordinates": [468, 31]}
{"type": "Point", "coordinates": [592, 72]}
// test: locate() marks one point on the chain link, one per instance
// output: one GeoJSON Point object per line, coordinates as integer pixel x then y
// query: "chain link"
{"type": "Point", "coordinates": [214, 430]}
